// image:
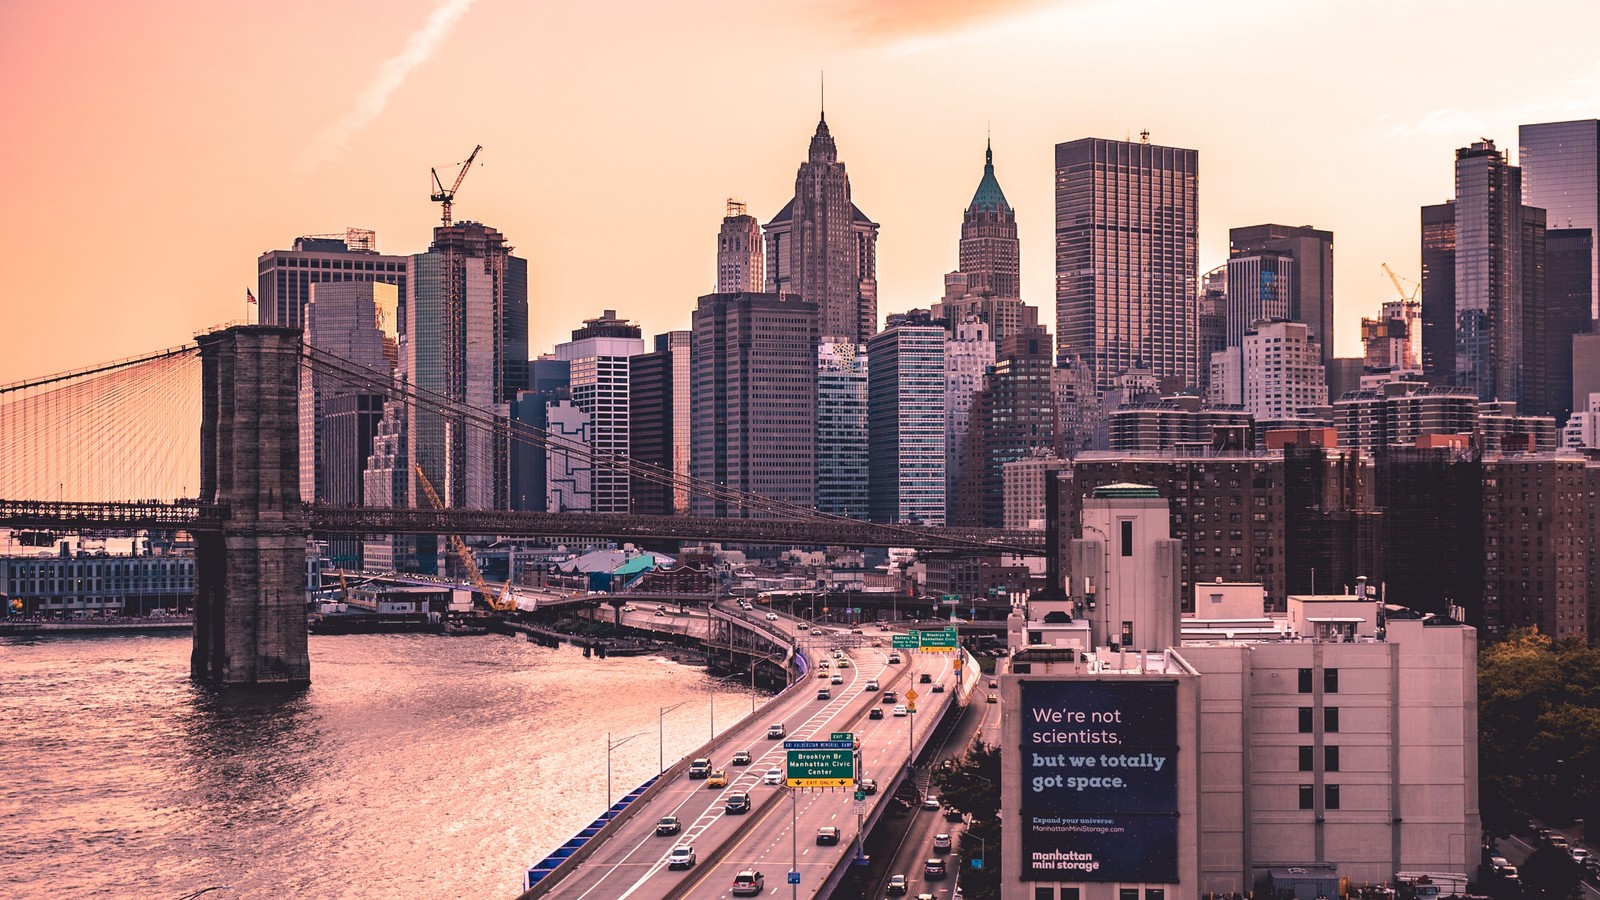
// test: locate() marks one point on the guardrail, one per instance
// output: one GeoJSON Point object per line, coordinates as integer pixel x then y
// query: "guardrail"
{"type": "Point", "coordinates": [540, 879]}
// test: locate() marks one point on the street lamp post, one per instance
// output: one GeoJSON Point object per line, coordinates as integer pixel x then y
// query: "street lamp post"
{"type": "Point", "coordinates": [662, 731]}
{"type": "Point", "coordinates": [610, 746]}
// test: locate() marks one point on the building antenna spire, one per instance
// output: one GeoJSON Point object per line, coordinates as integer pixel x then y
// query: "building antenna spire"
{"type": "Point", "coordinates": [822, 93]}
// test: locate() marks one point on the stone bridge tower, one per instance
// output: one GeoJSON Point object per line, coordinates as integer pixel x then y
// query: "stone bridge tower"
{"type": "Point", "coordinates": [250, 604]}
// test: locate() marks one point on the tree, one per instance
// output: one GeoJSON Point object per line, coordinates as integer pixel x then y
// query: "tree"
{"type": "Point", "coordinates": [1550, 874]}
{"type": "Point", "coordinates": [971, 784]}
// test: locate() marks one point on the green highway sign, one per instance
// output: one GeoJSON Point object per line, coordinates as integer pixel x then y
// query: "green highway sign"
{"type": "Point", "coordinates": [860, 796]}
{"type": "Point", "coordinates": [821, 768]}
{"type": "Point", "coordinates": [944, 641]}
{"type": "Point", "coordinates": [904, 641]}
{"type": "Point", "coordinates": [845, 736]}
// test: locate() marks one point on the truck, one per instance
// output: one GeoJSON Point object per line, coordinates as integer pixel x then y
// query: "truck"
{"type": "Point", "coordinates": [1429, 885]}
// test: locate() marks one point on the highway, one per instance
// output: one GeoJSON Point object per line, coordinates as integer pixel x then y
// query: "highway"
{"type": "Point", "coordinates": [783, 822]}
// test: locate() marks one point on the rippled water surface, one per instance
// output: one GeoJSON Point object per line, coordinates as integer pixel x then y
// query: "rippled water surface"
{"type": "Point", "coordinates": [415, 765]}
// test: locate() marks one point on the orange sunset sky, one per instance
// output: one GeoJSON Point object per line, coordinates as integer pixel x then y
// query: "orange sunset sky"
{"type": "Point", "coordinates": [152, 150]}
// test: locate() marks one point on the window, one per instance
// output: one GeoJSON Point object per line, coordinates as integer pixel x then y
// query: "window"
{"type": "Point", "coordinates": [1305, 681]}
{"type": "Point", "coordinates": [1155, 893]}
{"type": "Point", "coordinates": [1128, 894]}
{"type": "Point", "coordinates": [1305, 720]}
{"type": "Point", "coordinates": [1305, 796]}
{"type": "Point", "coordinates": [1069, 893]}
{"type": "Point", "coordinates": [1330, 796]}
{"type": "Point", "coordinates": [1330, 758]}
{"type": "Point", "coordinates": [1044, 893]}
{"type": "Point", "coordinates": [1330, 719]}
{"type": "Point", "coordinates": [1305, 759]}
{"type": "Point", "coordinates": [1127, 548]}
{"type": "Point", "coordinates": [1330, 681]}
{"type": "Point", "coordinates": [1127, 634]}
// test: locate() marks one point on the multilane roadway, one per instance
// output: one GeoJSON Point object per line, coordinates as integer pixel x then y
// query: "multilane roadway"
{"type": "Point", "coordinates": [782, 824]}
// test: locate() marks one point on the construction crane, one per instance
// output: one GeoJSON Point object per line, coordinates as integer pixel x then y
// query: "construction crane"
{"type": "Point", "coordinates": [444, 197]}
{"type": "Point", "coordinates": [1396, 280]}
{"type": "Point", "coordinates": [499, 603]}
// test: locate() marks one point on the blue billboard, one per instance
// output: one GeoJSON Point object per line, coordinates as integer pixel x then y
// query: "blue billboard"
{"type": "Point", "coordinates": [1099, 780]}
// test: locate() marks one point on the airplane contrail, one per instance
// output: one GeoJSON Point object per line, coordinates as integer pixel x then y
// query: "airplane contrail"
{"type": "Point", "coordinates": [390, 76]}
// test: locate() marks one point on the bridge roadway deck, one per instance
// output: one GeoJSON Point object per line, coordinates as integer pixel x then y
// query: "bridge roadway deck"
{"type": "Point", "coordinates": [783, 822]}
{"type": "Point", "coordinates": [189, 514]}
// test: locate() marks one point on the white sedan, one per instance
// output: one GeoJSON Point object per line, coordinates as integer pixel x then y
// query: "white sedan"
{"type": "Point", "coordinates": [900, 709]}
{"type": "Point", "coordinates": [774, 776]}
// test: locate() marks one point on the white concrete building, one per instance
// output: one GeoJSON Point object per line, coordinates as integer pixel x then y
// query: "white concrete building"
{"type": "Point", "coordinates": [967, 356]}
{"type": "Point", "coordinates": [598, 355]}
{"type": "Point", "coordinates": [1283, 371]}
{"type": "Point", "coordinates": [1024, 483]}
{"type": "Point", "coordinates": [1336, 737]}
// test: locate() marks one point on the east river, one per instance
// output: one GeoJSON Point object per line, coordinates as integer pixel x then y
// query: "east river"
{"type": "Point", "coordinates": [414, 766]}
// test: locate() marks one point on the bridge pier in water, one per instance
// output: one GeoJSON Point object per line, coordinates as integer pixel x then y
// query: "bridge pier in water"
{"type": "Point", "coordinates": [250, 603]}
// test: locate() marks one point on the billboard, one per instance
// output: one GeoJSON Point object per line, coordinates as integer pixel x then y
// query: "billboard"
{"type": "Point", "coordinates": [1099, 780]}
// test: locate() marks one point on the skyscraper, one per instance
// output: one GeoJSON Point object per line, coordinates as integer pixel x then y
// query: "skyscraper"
{"type": "Point", "coordinates": [842, 429]}
{"type": "Point", "coordinates": [906, 421]}
{"type": "Point", "coordinates": [355, 321]}
{"type": "Point", "coordinates": [739, 262]}
{"type": "Point", "coordinates": [753, 394]}
{"type": "Point", "coordinates": [1127, 217]}
{"type": "Point", "coordinates": [1492, 236]}
{"type": "Point", "coordinates": [1561, 175]}
{"type": "Point", "coordinates": [1439, 291]}
{"type": "Point", "coordinates": [1013, 415]}
{"type": "Point", "coordinates": [467, 341]}
{"type": "Point", "coordinates": [548, 384]}
{"type": "Point", "coordinates": [968, 354]}
{"type": "Point", "coordinates": [1308, 291]}
{"type": "Point", "coordinates": [599, 355]}
{"type": "Point", "coordinates": [1260, 286]}
{"type": "Point", "coordinates": [821, 247]}
{"type": "Point", "coordinates": [658, 422]}
{"type": "Point", "coordinates": [1283, 372]}
{"type": "Point", "coordinates": [284, 277]}
{"type": "Point", "coordinates": [989, 245]}
{"type": "Point", "coordinates": [1550, 325]}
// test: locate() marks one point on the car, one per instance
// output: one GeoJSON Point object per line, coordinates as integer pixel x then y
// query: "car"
{"type": "Point", "coordinates": [941, 843]}
{"type": "Point", "coordinates": [930, 802]}
{"type": "Point", "coordinates": [629, 607]}
{"type": "Point", "coordinates": [927, 678]}
{"type": "Point", "coordinates": [927, 896]}
{"type": "Point", "coordinates": [875, 713]}
{"type": "Point", "coordinates": [993, 684]}
{"type": "Point", "coordinates": [772, 617]}
{"type": "Point", "coordinates": [856, 631]}
{"type": "Point", "coordinates": [951, 814]}
{"type": "Point", "coordinates": [837, 679]}
{"type": "Point", "coordinates": [773, 775]}
{"type": "Point", "coordinates": [1579, 854]}
{"type": "Point", "coordinates": [1509, 873]}
{"type": "Point", "coordinates": [827, 835]}
{"type": "Point", "coordinates": [822, 664]}
{"type": "Point", "coordinates": [838, 654]}
{"type": "Point", "coordinates": [889, 697]}
{"type": "Point", "coordinates": [668, 825]}
{"type": "Point", "coordinates": [775, 730]}
{"type": "Point", "coordinates": [867, 786]}
{"type": "Point", "coordinates": [844, 663]}
{"type": "Point", "coordinates": [933, 868]}
{"type": "Point", "coordinates": [802, 627]}
{"type": "Point", "coordinates": [896, 887]}
{"type": "Point", "coordinates": [824, 694]}
{"type": "Point", "coordinates": [872, 685]}
{"type": "Point", "coordinates": [938, 687]}
{"type": "Point", "coordinates": [661, 612]}
{"type": "Point", "coordinates": [900, 710]}
{"type": "Point", "coordinates": [741, 758]}
{"type": "Point", "coordinates": [717, 779]}
{"type": "Point", "coordinates": [737, 803]}
{"type": "Point", "coordinates": [700, 768]}
{"type": "Point", "coordinates": [992, 699]}
{"type": "Point", "coordinates": [1498, 862]}
{"type": "Point", "coordinates": [894, 659]}
{"type": "Point", "coordinates": [748, 883]}
{"type": "Point", "coordinates": [681, 858]}
{"type": "Point", "coordinates": [1560, 842]}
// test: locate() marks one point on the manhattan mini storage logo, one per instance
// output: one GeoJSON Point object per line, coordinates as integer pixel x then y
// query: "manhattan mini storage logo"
{"type": "Point", "coordinates": [1064, 861]}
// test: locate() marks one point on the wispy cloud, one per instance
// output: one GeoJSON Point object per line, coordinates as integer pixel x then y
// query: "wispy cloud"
{"type": "Point", "coordinates": [390, 76]}
{"type": "Point", "coordinates": [1571, 98]}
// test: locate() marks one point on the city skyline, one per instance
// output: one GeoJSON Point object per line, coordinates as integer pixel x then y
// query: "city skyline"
{"type": "Point", "coordinates": [164, 123]}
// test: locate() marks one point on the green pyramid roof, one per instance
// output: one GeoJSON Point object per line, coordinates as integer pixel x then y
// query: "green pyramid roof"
{"type": "Point", "coordinates": [989, 196]}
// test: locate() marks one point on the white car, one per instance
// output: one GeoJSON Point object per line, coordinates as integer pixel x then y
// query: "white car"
{"type": "Point", "coordinates": [900, 709]}
{"type": "Point", "coordinates": [774, 776]}
{"type": "Point", "coordinates": [1579, 854]}
{"type": "Point", "coordinates": [1499, 862]}
{"type": "Point", "coordinates": [772, 617]}
{"type": "Point", "coordinates": [681, 858]}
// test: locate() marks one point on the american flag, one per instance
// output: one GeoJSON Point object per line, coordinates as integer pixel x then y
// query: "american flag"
{"type": "Point", "coordinates": [249, 297]}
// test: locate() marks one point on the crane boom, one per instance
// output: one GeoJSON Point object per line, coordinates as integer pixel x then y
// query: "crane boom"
{"type": "Point", "coordinates": [446, 197]}
{"type": "Point", "coordinates": [1395, 279]}
{"type": "Point", "coordinates": [498, 603]}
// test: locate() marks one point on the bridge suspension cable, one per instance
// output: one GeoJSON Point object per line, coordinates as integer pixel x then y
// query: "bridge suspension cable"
{"type": "Point", "coordinates": [367, 380]}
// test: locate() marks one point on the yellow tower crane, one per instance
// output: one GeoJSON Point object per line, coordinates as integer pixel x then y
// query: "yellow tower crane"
{"type": "Point", "coordinates": [1396, 280]}
{"type": "Point", "coordinates": [446, 197]}
{"type": "Point", "coordinates": [499, 603]}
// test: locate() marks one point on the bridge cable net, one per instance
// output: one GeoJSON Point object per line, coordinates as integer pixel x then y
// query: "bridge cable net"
{"type": "Point", "coordinates": [336, 370]}
{"type": "Point", "coordinates": [117, 432]}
